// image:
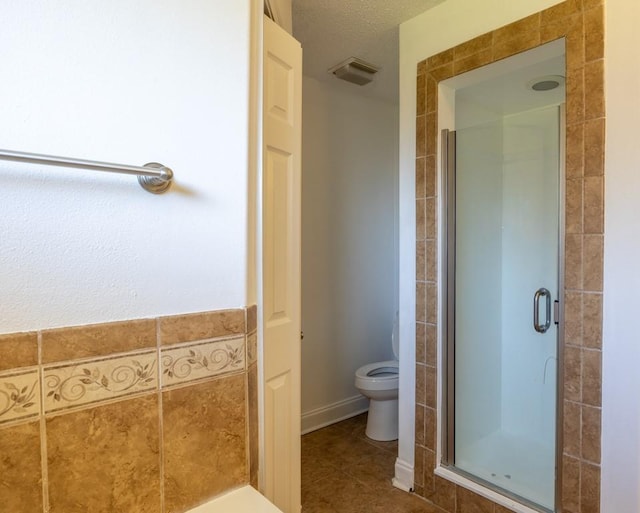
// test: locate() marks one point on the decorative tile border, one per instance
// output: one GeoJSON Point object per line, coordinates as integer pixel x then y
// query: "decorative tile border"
{"type": "Point", "coordinates": [19, 395]}
{"type": "Point", "coordinates": [190, 362]}
{"type": "Point", "coordinates": [94, 381]}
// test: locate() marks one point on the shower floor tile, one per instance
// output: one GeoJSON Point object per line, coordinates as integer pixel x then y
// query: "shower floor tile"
{"type": "Point", "coordinates": [345, 472]}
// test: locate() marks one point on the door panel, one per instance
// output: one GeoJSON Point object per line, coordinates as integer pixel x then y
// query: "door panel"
{"type": "Point", "coordinates": [506, 248]}
{"type": "Point", "coordinates": [281, 241]}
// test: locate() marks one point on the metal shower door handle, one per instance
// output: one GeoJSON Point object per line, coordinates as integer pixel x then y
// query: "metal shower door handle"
{"type": "Point", "coordinates": [541, 293]}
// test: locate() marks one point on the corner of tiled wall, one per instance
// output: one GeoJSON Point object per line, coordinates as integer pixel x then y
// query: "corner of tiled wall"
{"type": "Point", "coordinates": [581, 24]}
{"type": "Point", "coordinates": [152, 415]}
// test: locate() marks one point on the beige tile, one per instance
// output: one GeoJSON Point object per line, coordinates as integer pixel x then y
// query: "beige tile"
{"type": "Point", "coordinates": [18, 350]}
{"type": "Point", "coordinates": [252, 318]}
{"type": "Point", "coordinates": [420, 178]}
{"type": "Point", "coordinates": [573, 262]}
{"type": "Point", "coordinates": [419, 425]}
{"type": "Point", "coordinates": [561, 10]}
{"type": "Point", "coordinates": [20, 469]}
{"type": "Point", "coordinates": [421, 220]}
{"type": "Point", "coordinates": [473, 61]}
{"type": "Point", "coordinates": [191, 362]}
{"type": "Point", "coordinates": [594, 138]}
{"type": "Point", "coordinates": [201, 326]}
{"type": "Point", "coordinates": [573, 318]}
{"type": "Point", "coordinates": [430, 386]}
{"type": "Point", "coordinates": [594, 204]}
{"type": "Point", "coordinates": [575, 151]}
{"type": "Point", "coordinates": [575, 96]}
{"type": "Point", "coordinates": [432, 342]}
{"type": "Point", "coordinates": [593, 262]}
{"type": "Point", "coordinates": [421, 260]}
{"type": "Point", "coordinates": [97, 340]}
{"type": "Point", "coordinates": [375, 469]}
{"type": "Point", "coordinates": [591, 422]}
{"type": "Point", "coordinates": [421, 302]}
{"type": "Point", "coordinates": [592, 377]}
{"type": "Point", "coordinates": [105, 459]}
{"type": "Point", "coordinates": [252, 348]}
{"type": "Point", "coordinates": [430, 176]}
{"type": "Point", "coordinates": [594, 33]}
{"type": "Point", "coordinates": [432, 94]}
{"type": "Point", "coordinates": [335, 494]}
{"type": "Point", "coordinates": [594, 89]}
{"type": "Point", "coordinates": [431, 133]}
{"type": "Point", "coordinates": [572, 373]}
{"type": "Point", "coordinates": [572, 420]}
{"type": "Point", "coordinates": [573, 205]}
{"type": "Point", "coordinates": [19, 395]}
{"type": "Point", "coordinates": [421, 136]}
{"type": "Point", "coordinates": [473, 46]}
{"type": "Point", "coordinates": [442, 72]}
{"type": "Point", "coordinates": [100, 380]}
{"type": "Point", "coordinates": [204, 441]}
{"type": "Point", "coordinates": [440, 59]}
{"type": "Point", "coordinates": [431, 261]}
{"type": "Point", "coordinates": [421, 89]}
{"type": "Point", "coordinates": [443, 494]}
{"type": "Point", "coordinates": [418, 469]}
{"type": "Point", "coordinates": [590, 488]}
{"type": "Point", "coordinates": [528, 25]}
{"type": "Point", "coordinates": [574, 42]}
{"type": "Point", "coordinates": [430, 428]}
{"type": "Point", "coordinates": [254, 440]}
{"type": "Point", "coordinates": [421, 343]}
{"type": "Point", "coordinates": [592, 305]}
{"type": "Point", "coordinates": [430, 218]}
{"type": "Point", "coordinates": [570, 485]}
{"type": "Point", "coordinates": [519, 43]}
{"type": "Point", "coordinates": [469, 502]}
{"type": "Point", "coordinates": [432, 303]}
{"type": "Point", "coordinates": [397, 501]}
{"type": "Point", "coordinates": [429, 466]}
{"type": "Point", "coordinates": [421, 384]}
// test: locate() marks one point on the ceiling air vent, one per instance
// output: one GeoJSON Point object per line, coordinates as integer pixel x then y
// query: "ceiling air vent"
{"type": "Point", "coordinates": [355, 70]}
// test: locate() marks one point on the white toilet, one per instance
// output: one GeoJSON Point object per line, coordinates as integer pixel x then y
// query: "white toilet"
{"type": "Point", "coordinates": [379, 382]}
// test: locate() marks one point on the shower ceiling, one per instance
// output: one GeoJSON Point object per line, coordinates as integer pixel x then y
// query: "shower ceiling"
{"type": "Point", "coordinates": [334, 30]}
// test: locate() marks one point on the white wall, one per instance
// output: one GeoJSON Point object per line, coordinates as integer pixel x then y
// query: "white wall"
{"type": "Point", "coordinates": [621, 356]}
{"type": "Point", "coordinates": [439, 28]}
{"type": "Point", "coordinates": [456, 21]}
{"type": "Point", "coordinates": [131, 82]}
{"type": "Point", "coordinates": [349, 215]}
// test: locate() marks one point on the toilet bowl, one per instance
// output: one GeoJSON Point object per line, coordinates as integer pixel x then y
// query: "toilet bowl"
{"type": "Point", "coordinates": [379, 382]}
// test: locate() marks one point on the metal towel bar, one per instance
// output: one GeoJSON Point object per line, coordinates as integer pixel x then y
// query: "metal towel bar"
{"type": "Point", "coordinates": [153, 177]}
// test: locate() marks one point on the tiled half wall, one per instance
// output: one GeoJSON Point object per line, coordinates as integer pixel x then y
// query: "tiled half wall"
{"type": "Point", "coordinates": [146, 416]}
{"type": "Point", "coordinates": [580, 22]}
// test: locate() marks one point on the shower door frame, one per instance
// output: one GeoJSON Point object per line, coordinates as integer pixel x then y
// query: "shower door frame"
{"type": "Point", "coordinates": [446, 447]}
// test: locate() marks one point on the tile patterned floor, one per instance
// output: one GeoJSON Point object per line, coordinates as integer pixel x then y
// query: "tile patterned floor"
{"type": "Point", "coordinates": [345, 472]}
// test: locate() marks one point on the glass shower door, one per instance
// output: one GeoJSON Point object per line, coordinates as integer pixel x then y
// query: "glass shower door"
{"type": "Point", "coordinates": [506, 217]}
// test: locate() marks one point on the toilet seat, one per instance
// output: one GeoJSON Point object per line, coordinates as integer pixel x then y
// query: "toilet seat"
{"type": "Point", "coordinates": [378, 376]}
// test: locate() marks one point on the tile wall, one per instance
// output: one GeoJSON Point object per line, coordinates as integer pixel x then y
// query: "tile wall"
{"type": "Point", "coordinates": [152, 415]}
{"type": "Point", "coordinates": [581, 23]}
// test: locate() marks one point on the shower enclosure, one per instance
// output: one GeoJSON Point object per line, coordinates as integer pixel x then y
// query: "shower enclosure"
{"type": "Point", "coordinates": [503, 238]}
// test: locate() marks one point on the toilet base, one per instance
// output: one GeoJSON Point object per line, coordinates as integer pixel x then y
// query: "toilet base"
{"type": "Point", "coordinates": [382, 420]}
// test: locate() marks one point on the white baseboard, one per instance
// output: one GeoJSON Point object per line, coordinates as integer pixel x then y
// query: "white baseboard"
{"type": "Point", "coordinates": [332, 413]}
{"type": "Point", "coordinates": [404, 476]}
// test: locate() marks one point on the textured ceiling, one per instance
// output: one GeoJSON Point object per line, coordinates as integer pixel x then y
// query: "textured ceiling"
{"type": "Point", "coordinates": [334, 30]}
